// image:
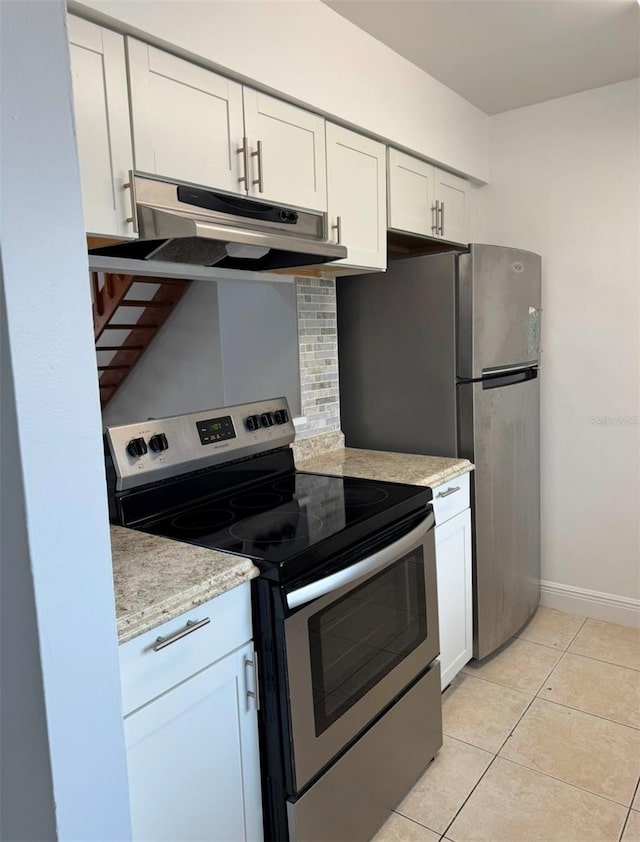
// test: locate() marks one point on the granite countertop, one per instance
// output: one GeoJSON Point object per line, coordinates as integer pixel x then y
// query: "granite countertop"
{"type": "Point", "coordinates": [378, 464]}
{"type": "Point", "coordinates": [157, 579]}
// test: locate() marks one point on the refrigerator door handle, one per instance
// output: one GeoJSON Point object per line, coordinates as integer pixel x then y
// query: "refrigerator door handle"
{"type": "Point", "coordinates": [509, 379]}
{"type": "Point", "coordinates": [508, 369]}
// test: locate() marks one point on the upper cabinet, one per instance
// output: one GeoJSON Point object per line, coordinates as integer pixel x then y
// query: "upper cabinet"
{"type": "Point", "coordinates": [102, 126]}
{"type": "Point", "coordinates": [183, 122]}
{"type": "Point", "coordinates": [286, 152]}
{"type": "Point", "coordinates": [356, 188]}
{"type": "Point", "coordinates": [426, 200]}
{"type": "Point", "coordinates": [191, 124]}
{"type": "Point", "coordinates": [187, 121]}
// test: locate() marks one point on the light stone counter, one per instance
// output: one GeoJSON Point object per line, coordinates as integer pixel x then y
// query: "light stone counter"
{"type": "Point", "coordinates": [157, 579]}
{"type": "Point", "coordinates": [377, 464]}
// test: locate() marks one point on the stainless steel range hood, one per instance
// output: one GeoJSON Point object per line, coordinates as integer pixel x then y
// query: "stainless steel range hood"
{"type": "Point", "coordinates": [186, 224]}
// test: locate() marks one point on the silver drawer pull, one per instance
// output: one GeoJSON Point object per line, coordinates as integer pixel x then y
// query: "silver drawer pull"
{"type": "Point", "coordinates": [191, 626]}
{"type": "Point", "coordinates": [253, 694]}
{"type": "Point", "coordinates": [244, 151]}
{"type": "Point", "coordinates": [449, 491]}
{"type": "Point", "coordinates": [258, 154]}
{"type": "Point", "coordinates": [131, 185]}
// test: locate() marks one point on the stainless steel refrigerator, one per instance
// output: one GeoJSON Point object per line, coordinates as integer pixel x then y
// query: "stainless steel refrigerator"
{"type": "Point", "coordinates": [439, 355]}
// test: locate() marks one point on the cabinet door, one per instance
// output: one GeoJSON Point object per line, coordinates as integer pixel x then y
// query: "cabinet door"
{"type": "Point", "coordinates": [411, 201]}
{"type": "Point", "coordinates": [187, 120]}
{"type": "Point", "coordinates": [192, 756]}
{"type": "Point", "coordinates": [101, 103]}
{"type": "Point", "coordinates": [455, 606]}
{"type": "Point", "coordinates": [292, 168]}
{"type": "Point", "coordinates": [356, 197]}
{"type": "Point", "coordinates": [453, 194]}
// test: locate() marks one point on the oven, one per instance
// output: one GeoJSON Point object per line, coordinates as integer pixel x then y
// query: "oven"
{"type": "Point", "coordinates": [352, 715]}
{"type": "Point", "coordinates": [345, 612]}
{"type": "Point", "coordinates": [355, 639]}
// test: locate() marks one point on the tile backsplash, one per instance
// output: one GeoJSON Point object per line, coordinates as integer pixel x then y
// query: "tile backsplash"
{"type": "Point", "coordinates": [318, 349]}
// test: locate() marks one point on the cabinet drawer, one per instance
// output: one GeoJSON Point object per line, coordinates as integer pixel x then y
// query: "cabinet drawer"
{"type": "Point", "coordinates": [146, 673]}
{"type": "Point", "coordinates": [450, 498]}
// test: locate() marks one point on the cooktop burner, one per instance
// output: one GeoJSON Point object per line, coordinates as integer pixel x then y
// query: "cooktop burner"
{"type": "Point", "coordinates": [287, 516]}
{"type": "Point", "coordinates": [225, 479]}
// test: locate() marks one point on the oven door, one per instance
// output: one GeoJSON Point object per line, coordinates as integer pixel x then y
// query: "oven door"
{"type": "Point", "coordinates": [355, 640]}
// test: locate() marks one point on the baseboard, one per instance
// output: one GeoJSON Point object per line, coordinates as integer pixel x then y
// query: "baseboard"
{"type": "Point", "coordinates": [600, 606]}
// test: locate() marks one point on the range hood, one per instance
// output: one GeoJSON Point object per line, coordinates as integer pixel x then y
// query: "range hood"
{"type": "Point", "coordinates": [186, 224]}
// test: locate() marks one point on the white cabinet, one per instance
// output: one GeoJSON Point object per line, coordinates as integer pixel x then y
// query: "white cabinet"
{"type": "Point", "coordinates": [286, 152]}
{"type": "Point", "coordinates": [191, 124]}
{"type": "Point", "coordinates": [452, 196]}
{"type": "Point", "coordinates": [191, 726]}
{"type": "Point", "coordinates": [356, 197]}
{"type": "Point", "coordinates": [426, 200]}
{"type": "Point", "coordinates": [453, 565]}
{"type": "Point", "coordinates": [187, 121]}
{"type": "Point", "coordinates": [102, 126]}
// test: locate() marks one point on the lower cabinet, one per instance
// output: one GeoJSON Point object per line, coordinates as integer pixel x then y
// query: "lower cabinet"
{"type": "Point", "coordinates": [455, 596]}
{"type": "Point", "coordinates": [192, 750]}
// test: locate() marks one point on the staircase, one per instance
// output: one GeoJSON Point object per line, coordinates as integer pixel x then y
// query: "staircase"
{"type": "Point", "coordinates": [128, 311]}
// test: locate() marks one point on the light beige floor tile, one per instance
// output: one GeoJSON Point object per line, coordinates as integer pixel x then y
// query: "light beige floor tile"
{"type": "Point", "coordinates": [636, 800]}
{"type": "Point", "coordinates": [632, 830]}
{"type": "Point", "coordinates": [578, 748]}
{"type": "Point", "coordinates": [481, 713]}
{"type": "Point", "coordinates": [514, 804]}
{"type": "Point", "coordinates": [521, 665]}
{"type": "Point", "coordinates": [399, 829]}
{"type": "Point", "coordinates": [595, 687]}
{"type": "Point", "coordinates": [551, 628]}
{"type": "Point", "coordinates": [609, 642]}
{"type": "Point", "coordinates": [443, 788]}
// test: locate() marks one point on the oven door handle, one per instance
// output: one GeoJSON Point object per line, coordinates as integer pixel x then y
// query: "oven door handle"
{"type": "Point", "coordinates": [307, 593]}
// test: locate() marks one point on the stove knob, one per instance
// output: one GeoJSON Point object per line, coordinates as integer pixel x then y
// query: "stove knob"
{"type": "Point", "coordinates": [267, 419]}
{"type": "Point", "coordinates": [158, 443]}
{"type": "Point", "coordinates": [253, 422]}
{"type": "Point", "coordinates": [281, 416]}
{"type": "Point", "coordinates": [137, 448]}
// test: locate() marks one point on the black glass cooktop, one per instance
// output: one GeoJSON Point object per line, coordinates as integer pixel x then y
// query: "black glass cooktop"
{"type": "Point", "coordinates": [295, 516]}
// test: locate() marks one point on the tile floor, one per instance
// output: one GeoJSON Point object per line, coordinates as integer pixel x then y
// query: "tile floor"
{"type": "Point", "coordinates": [541, 742]}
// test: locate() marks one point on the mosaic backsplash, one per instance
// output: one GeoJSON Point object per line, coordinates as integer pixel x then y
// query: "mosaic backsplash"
{"type": "Point", "coordinates": [318, 347]}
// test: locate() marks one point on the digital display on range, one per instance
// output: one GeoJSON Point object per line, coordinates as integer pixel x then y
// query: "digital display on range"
{"type": "Point", "coordinates": [216, 429]}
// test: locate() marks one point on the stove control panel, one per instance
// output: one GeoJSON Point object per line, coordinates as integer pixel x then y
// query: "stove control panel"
{"type": "Point", "coordinates": [161, 448]}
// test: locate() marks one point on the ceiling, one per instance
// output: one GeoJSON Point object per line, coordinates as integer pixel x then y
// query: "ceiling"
{"type": "Point", "coordinates": [504, 54]}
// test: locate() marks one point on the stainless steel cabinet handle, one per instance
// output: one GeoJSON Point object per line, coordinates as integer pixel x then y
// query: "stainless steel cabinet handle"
{"type": "Point", "coordinates": [442, 219]}
{"type": "Point", "coordinates": [191, 626]}
{"type": "Point", "coordinates": [434, 217]}
{"type": "Point", "coordinates": [338, 227]}
{"type": "Point", "coordinates": [244, 151]}
{"type": "Point", "coordinates": [253, 694]}
{"type": "Point", "coordinates": [131, 185]}
{"type": "Point", "coordinates": [258, 154]}
{"type": "Point", "coordinates": [449, 491]}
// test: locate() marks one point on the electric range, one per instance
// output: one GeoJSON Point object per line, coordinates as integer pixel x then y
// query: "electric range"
{"type": "Point", "coordinates": [344, 611]}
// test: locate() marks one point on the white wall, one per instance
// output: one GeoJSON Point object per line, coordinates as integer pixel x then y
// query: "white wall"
{"type": "Point", "coordinates": [226, 342]}
{"type": "Point", "coordinates": [565, 183]}
{"type": "Point", "coordinates": [64, 565]}
{"type": "Point", "coordinates": [309, 53]}
{"type": "Point", "coordinates": [181, 371]}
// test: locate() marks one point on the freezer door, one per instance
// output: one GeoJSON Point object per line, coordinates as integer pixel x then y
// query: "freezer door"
{"type": "Point", "coordinates": [498, 309]}
{"type": "Point", "coordinates": [499, 428]}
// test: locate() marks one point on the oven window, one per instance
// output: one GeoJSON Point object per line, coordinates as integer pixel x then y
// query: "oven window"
{"type": "Point", "coordinates": [361, 637]}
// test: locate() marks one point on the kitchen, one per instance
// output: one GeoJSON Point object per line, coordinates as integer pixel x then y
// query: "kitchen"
{"type": "Point", "coordinates": [590, 331]}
